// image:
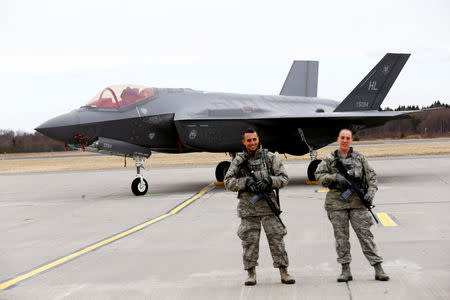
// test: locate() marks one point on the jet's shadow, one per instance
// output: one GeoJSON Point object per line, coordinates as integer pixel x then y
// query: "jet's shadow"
{"type": "Point", "coordinates": [179, 187]}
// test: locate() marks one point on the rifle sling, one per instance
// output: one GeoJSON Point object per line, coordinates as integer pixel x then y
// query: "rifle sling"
{"type": "Point", "coordinates": [353, 183]}
{"type": "Point", "coordinates": [273, 206]}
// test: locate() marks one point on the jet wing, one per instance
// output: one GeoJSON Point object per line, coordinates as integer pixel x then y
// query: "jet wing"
{"type": "Point", "coordinates": [355, 115]}
{"type": "Point", "coordinates": [280, 132]}
{"type": "Point", "coordinates": [341, 119]}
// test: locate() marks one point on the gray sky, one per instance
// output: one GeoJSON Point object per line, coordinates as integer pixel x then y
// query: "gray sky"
{"type": "Point", "coordinates": [56, 55]}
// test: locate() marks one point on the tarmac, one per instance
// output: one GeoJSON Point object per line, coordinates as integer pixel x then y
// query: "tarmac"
{"type": "Point", "coordinates": [83, 235]}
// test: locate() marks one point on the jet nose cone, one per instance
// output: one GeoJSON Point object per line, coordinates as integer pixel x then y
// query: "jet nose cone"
{"type": "Point", "coordinates": [62, 128]}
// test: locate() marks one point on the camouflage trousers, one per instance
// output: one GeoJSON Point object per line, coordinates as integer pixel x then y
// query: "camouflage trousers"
{"type": "Point", "coordinates": [361, 221]}
{"type": "Point", "coordinates": [249, 232]}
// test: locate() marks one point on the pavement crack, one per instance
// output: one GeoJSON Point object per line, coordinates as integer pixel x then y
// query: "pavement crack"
{"type": "Point", "coordinates": [348, 289]}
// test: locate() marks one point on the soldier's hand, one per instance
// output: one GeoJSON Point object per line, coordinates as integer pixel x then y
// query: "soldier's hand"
{"type": "Point", "coordinates": [341, 180]}
{"type": "Point", "coordinates": [264, 184]}
{"type": "Point", "coordinates": [250, 185]}
{"type": "Point", "coordinates": [369, 198]}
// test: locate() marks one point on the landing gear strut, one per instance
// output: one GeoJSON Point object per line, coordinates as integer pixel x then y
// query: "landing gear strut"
{"type": "Point", "coordinates": [314, 161]}
{"type": "Point", "coordinates": [139, 186]}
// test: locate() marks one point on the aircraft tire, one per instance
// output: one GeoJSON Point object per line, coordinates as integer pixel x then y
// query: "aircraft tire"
{"type": "Point", "coordinates": [221, 170]}
{"type": "Point", "coordinates": [312, 168]}
{"type": "Point", "coordinates": [137, 189]}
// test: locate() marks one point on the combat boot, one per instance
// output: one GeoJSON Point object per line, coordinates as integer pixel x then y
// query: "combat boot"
{"type": "Point", "coordinates": [379, 273]}
{"type": "Point", "coordinates": [285, 277]}
{"type": "Point", "coordinates": [346, 275]}
{"type": "Point", "coordinates": [251, 279]}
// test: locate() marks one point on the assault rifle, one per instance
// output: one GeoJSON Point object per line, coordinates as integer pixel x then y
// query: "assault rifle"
{"type": "Point", "coordinates": [355, 186]}
{"type": "Point", "coordinates": [274, 207]}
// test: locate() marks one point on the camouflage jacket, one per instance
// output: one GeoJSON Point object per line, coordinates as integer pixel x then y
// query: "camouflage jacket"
{"type": "Point", "coordinates": [264, 164]}
{"type": "Point", "coordinates": [358, 166]}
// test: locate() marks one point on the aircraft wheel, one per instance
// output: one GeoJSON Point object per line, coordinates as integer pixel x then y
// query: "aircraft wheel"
{"type": "Point", "coordinates": [221, 170]}
{"type": "Point", "coordinates": [312, 168]}
{"type": "Point", "coordinates": [138, 188]}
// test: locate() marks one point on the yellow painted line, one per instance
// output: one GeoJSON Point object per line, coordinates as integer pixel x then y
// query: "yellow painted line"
{"type": "Point", "coordinates": [218, 183]}
{"type": "Point", "coordinates": [299, 197]}
{"type": "Point", "coordinates": [322, 191]}
{"type": "Point", "coordinates": [6, 284]}
{"type": "Point", "coordinates": [311, 182]}
{"type": "Point", "coordinates": [386, 220]}
{"type": "Point", "coordinates": [406, 212]}
{"type": "Point", "coordinates": [189, 201]}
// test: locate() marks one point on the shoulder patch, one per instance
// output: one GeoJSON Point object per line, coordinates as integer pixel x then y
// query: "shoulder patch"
{"type": "Point", "coordinates": [358, 155]}
{"type": "Point", "coordinates": [240, 157]}
{"type": "Point", "coordinates": [329, 157]}
{"type": "Point", "coordinates": [270, 155]}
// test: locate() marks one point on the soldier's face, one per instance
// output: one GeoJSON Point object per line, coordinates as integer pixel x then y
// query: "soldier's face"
{"type": "Point", "coordinates": [251, 141]}
{"type": "Point", "coordinates": [345, 140]}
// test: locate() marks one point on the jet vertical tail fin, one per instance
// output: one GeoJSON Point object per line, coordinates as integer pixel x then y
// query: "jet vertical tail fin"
{"type": "Point", "coordinates": [371, 91]}
{"type": "Point", "coordinates": [302, 79]}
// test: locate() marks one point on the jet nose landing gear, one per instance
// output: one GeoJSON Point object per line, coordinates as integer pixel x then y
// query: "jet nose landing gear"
{"type": "Point", "coordinates": [139, 186]}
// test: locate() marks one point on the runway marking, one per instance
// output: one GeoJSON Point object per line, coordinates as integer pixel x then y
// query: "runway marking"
{"type": "Point", "coordinates": [303, 197]}
{"type": "Point", "coordinates": [57, 262]}
{"type": "Point", "coordinates": [322, 191]}
{"type": "Point", "coordinates": [407, 212]}
{"type": "Point", "coordinates": [386, 220]}
{"type": "Point", "coordinates": [311, 182]}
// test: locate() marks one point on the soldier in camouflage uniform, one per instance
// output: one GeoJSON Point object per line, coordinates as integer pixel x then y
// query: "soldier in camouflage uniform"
{"type": "Point", "coordinates": [341, 211]}
{"type": "Point", "coordinates": [271, 175]}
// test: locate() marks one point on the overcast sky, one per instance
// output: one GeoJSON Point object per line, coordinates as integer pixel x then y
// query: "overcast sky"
{"type": "Point", "coordinates": [56, 55]}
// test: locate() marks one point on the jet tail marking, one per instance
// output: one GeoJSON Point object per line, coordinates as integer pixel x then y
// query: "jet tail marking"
{"type": "Point", "coordinates": [371, 91]}
{"type": "Point", "coordinates": [301, 79]}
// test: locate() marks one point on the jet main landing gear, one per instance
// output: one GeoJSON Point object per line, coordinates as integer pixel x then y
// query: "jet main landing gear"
{"type": "Point", "coordinates": [139, 186]}
{"type": "Point", "coordinates": [221, 170]}
{"type": "Point", "coordinates": [313, 165]}
{"type": "Point", "coordinates": [313, 153]}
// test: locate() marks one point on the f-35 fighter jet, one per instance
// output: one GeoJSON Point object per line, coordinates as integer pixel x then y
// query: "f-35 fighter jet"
{"type": "Point", "coordinates": [133, 121]}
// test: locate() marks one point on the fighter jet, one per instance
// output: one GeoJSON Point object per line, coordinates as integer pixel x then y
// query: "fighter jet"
{"type": "Point", "coordinates": [133, 121]}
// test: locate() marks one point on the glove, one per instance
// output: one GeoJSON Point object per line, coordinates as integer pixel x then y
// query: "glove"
{"type": "Point", "coordinates": [264, 184]}
{"type": "Point", "coordinates": [369, 198]}
{"type": "Point", "coordinates": [341, 180]}
{"type": "Point", "coordinates": [250, 185]}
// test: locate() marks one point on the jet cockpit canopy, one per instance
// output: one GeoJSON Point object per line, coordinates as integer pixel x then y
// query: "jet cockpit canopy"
{"type": "Point", "coordinates": [116, 96]}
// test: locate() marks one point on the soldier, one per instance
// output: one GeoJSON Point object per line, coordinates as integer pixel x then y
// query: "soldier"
{"type": "Point", "coordinates": [271, 175]}
{"type": "Point", "coordinates": [341, 211]}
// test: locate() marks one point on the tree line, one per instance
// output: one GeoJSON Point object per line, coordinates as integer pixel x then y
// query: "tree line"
{"type": "Point", "coordinates": [16, 142]}
{"type": "Point", "coordinates": [436, 104]}
{"type": "Point", "coordinates": [433, 121]}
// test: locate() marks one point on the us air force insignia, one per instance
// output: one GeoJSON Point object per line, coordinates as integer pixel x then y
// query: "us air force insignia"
{"type": "Point", "coordinates": [193, 134]}
{"type": "Point", "coordinates": [386, 69]}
